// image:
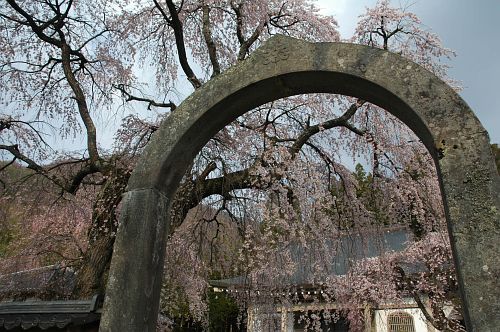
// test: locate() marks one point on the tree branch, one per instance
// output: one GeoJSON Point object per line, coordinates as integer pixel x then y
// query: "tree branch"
{"type": "Point", "coordinates": [416, 297]}
{"type": "Point", "coordinates": [38, 30]}
{"type": "Point", "coordinates": [337, 122]}
{"type": "Point", "coordinates": [239, 22]}
{"type": "Point", "coordinates": [212, 48]}
{"type": "Point", "coordinates": [222, 185]}
{"type": "Point", "coordinates": [81, 102]}
{"type": "Point", "coordinates": [175, 23]}
{"type": "Point", "coordinates": [151, 102]}
{"type": "Point", "coordinates": [245, 179]}
{"type": "Point", "coordinates": [245, 44]}
{"type": "Point", "coordinates": [14, 150]}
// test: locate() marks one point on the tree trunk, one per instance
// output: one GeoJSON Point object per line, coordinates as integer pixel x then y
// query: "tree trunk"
{"type": "Point", "coordinates": [91, 277]}
{"type": "Point", "coordinates": [92, 273]}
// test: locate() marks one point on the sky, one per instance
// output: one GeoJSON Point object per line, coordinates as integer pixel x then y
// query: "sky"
{"type": "Point", "coordinates": [468, 27]}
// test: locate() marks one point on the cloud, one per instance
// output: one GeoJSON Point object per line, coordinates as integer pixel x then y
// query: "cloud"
{"type": "Point", "coordinates": [332, 7]}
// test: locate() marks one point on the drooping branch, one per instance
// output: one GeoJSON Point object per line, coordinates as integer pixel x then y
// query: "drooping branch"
{"type": "Point", "coordinates": [246, 178]}
{"type": "Point", "coordinates": [70, 186]}
{"type": "Point", "coordinates": [31, 164]}
{"type": "Point", "coordinates": [8, 123]}
{"type": "Point", "coordinates": [14, 150]}
{"type": "Point", "coordinates": [70, 182]}
{"type": "Point", "coordinates": [58, 19]}
{"type": "Point", "coordinates": [57, 23]}
{"type": "Point", "coordinates": [408, 283]}
{"type": "Point", "coordinates": [38, 30]}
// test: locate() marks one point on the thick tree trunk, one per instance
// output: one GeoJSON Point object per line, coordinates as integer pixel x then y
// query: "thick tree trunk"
{"type": "Point", "coordinates": [92, 273]}
{"type": "Point", "coordinates": [91, 277]}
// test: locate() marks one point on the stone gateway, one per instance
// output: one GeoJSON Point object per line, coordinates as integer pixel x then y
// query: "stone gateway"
{"type": "Point", "coordinates": [283, 67]}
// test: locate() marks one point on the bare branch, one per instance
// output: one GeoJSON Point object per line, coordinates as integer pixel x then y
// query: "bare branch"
{"type": "Point", "coordinates": [245, 44]}
{"type": "Point", "coordinates": [14, 150]}
{"type": "Point", "coordinates": [81, 102]}
{"type": "Point", "coordinates": [337, 122]}
{"type": "Point", "coordinates": [77, 179]}
{"type": "Point", "coordinates": [38, 30]}
{"type": "Point", "coordinates": [239, 22]}
{"type": "Point", "coordinates": [245, 47]}
{"type": "Point", "coordinates": [151, 102]}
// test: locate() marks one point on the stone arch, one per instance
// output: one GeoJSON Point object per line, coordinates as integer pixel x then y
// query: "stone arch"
{"type": "Point", "coordinates": [282, 67]}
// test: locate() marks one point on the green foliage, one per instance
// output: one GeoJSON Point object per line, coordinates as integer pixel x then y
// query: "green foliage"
{"type": "Point", "coordinates": [7, 235]}
{"type": "Point", "coordinates": [370, 194]}
{"type": "Point", "coordinates": [223, 315]}
{"type": "Point", "coordinates": [10, 229]}
{"type": "Point", "coordinates": [223, 312]}
{"type": "Point", "coordinates": [9, 221]}
{"type": "Point", "coordinates": [364, 180]}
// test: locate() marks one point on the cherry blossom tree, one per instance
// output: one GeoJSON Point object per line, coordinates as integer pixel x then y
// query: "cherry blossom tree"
{"type": "Point", "coordinates": [62, 62]}
{"type": "Point", "coordinates": [274, 178]}
{"type": "Point", "coordinates": [56, 64]}
{"type": "Point", "coordinates": [298, 202]}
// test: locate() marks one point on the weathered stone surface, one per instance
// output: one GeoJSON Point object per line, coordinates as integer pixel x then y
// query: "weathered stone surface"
{"type": "Point", "coordinates": [137, 265]}
{"type": "Point", "coordinates": [285, 66]}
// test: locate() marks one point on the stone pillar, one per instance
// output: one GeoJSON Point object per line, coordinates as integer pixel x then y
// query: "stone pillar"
{"type": "Point", "coordinates": [133, 292]}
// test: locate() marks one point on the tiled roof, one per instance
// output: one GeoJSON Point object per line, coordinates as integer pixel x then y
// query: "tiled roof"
{"type": "Point", "coordinates": [348, 250]}
{"type": "Point", "coordinates": [49, 282]}
{"type": "Point", "coordinates": [49, 314]}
